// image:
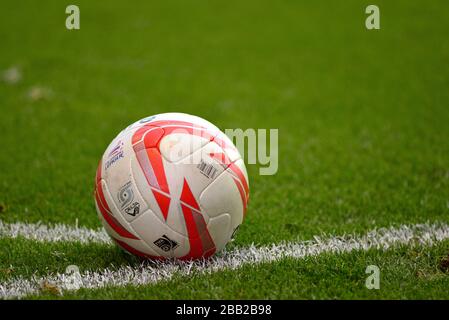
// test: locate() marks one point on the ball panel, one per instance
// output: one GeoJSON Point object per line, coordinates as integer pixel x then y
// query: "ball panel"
{"type": "Point", "coordinates": [244, 178]}
{"type": "Point", "coordinates": [152, 182]}
{"type": "Point", "coordinates": [177, 146]}
{"type": "Point", "coordinates": [159, 236]}
{"type": "Point", "coordinates": [220, 230]}
{"type": "Point", "coordinates": [109, 213]}
{"type": "Point", "coordinates": [238, 171]}
{"type": "Point", "coordinates": [228, 147]}
{"type": "Point", "coordinates": [118, 177]}
{"type": "Point", "coordinates": [115, 165]}
{"type": "Point", "coordinates": [198, 177]}
{"type": "Point", "coordinates": [222, 196]}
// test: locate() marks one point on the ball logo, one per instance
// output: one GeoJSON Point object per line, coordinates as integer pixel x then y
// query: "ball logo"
{"type": "Point", "coordinates": [125, 198]}
{"type": "Point", "coordinates": [133, 209]}
{"type": "Point", "coordinates": [115, 155]}
{"type": "Point", "coordinates": [207, 169]}
{"type": "Point", "coordinates": [147, 119]}
{"type": "Point", "coordinates": [166, 244]}
{"type": "Point", "coordinates": [125, 195]}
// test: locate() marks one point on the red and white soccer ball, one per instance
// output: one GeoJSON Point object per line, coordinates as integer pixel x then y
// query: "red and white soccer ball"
{"type": "Point", "coordinates": [171, 186]}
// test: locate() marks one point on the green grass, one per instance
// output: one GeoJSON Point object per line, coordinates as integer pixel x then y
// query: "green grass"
{"type": "Point", "coordinates": [404, 273]}
{"type": "Point", "coordinates": [362, 118]}
{"type": "Point", "coordinates": [26, 258]}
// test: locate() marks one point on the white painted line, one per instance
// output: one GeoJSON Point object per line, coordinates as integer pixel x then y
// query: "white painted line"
{"type": "Point", "coordinates": [55, 233]}
{"type": "Point", "coordinates": [381, 239]}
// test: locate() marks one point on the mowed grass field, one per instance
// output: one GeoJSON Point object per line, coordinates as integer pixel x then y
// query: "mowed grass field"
{"type": "Point", "coordinates": [362, 116]}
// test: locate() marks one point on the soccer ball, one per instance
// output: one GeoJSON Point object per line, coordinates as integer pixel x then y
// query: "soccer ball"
{"type": "Point", "coordinates": [171, 186]}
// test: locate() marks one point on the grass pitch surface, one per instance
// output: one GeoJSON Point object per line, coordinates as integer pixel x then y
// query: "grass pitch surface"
{"type": "Point", "coordinates": [362, 117]}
